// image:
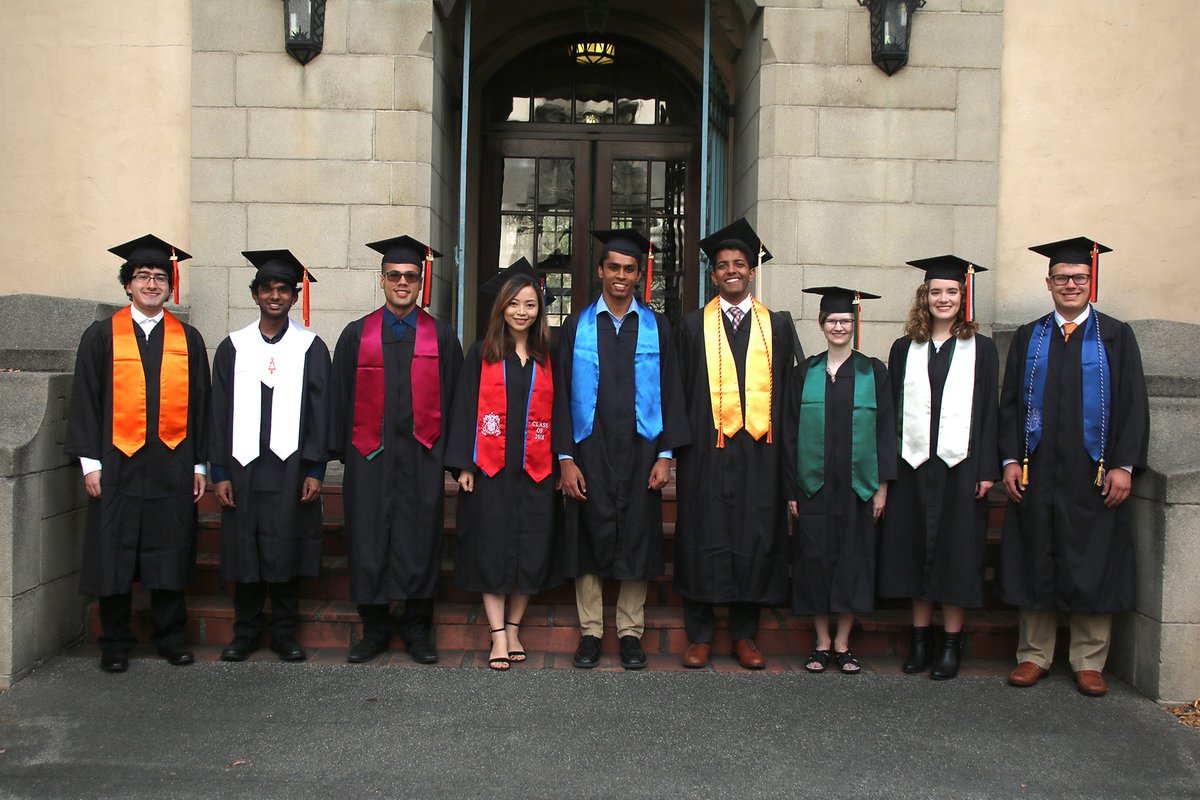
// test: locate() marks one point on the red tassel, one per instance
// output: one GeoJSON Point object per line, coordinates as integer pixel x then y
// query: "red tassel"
{"type": "Point", "coordinates": [175, 273]}
{"type": "Point", "coordinates": [857, 318]}
{"type": "Point", "coordinates": [304, 301]}
{"type": "Point", "coordinates": [428, 277]}
{"type": "Point", "coordinates": [1095, 272]}
{"type": "Point", "coordinates": [970, 292]}
{"type": "Point", "coordinates": [649, 271]}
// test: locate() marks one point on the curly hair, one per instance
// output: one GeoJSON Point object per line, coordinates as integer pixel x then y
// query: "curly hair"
{"type": "Point", "coordinates": [919, 326]}
{"type": "Point", "coordinates": [498, 342]}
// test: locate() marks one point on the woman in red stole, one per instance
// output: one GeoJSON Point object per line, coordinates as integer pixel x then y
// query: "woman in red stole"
{"type": "Point", "coordinates": [500, 445]}
{"type": "Point", "coordinates": [839, 453]}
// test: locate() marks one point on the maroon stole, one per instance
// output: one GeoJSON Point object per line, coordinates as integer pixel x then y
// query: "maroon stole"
{"type": "Point", "coordinates": [491, 421]}
{"type": "Point", "coordinates": [367, 433]}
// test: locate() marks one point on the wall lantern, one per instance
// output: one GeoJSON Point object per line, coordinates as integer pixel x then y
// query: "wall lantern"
{"type": "Point", "coordinates": [891, 29]}
{"type": "Point", "coordinates": [594, 51]}
{"type": "Point", "coordinates": [303, 28]}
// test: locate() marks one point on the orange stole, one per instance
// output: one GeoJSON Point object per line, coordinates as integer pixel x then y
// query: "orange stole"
{"type": "Point", "coordinates": [129, 385]}
{"type": "Point", "coordinates": [722, 373]}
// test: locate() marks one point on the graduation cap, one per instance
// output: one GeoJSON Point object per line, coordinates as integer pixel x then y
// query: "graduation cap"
{"type": "Point", "coordinates": [151, 250]}
{"type": "Point", "coordinates": [281, 265]}
{"type": "Point", "coordinates": [952, 268]}
{"type": "Point", "coordinates": [1080, 250]}
{"type": "Point", "coordinates": [736, 236]}
{"type": "Point", "coordinates": [493, 285]}
{"type": "Point", "coordinates": [407, 250]}
{"type": "Point", "coordinates": [839, 300]}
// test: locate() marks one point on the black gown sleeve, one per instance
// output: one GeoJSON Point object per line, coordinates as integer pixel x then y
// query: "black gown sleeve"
{"type": "Point", "coordinates": [341, 400]}
{"type": "Point", "coordinates": [222, 409]}
{"type": "Point", "coordinates": [987, 378]}
{"type": "Point", "coordinates": [676, 431]}
{"type": "Point", "coordinates": [199, 388]}
{"type": "Point", "coordinates": [1131, 419]}
{"type": "Point", "coordinates": [1009, 437]}
{"type": "Point", "coordinates": [885, 423]}
{"type": "Point", "coordinates": [85, 425]}
{"type": "Point", "coordinates": [562, 433]}
{"type": "Point", "coordinates": [791, 422]}
{"type": "Point", "coordinates": [460, 446]}
{"type": "Point", "coordinates": [315, 446]}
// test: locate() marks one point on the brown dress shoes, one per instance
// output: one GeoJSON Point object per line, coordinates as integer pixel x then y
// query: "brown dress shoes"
{"type": "Point", "coordinates": [697, 654]}
{"type": "Point", "coordinates": [1026, 674]}
{"type": "Point", "coordinates": [1091, 683]}
{"type": "Point", "coordinates": [747, 654]}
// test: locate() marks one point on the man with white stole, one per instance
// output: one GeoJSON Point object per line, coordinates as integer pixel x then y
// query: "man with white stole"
{"type": "Point", "coordinates": [270, 429]}
{"type": "Point", "coordinates": [731, 538]}
{"type": "Point", "coordinates": [1074, 428]}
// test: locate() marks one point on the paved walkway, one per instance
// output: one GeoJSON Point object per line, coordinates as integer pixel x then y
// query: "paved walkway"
{"type": "Point", "coordinates": [265, 729]}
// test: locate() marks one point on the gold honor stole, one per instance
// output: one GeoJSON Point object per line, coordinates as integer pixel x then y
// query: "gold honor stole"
{"type": "Point", "coordinates": [723, 389]}
{"type": "Point", "coordinates": [129, 384]}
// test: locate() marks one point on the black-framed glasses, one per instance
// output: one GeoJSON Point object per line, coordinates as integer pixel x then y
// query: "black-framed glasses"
{"type": "Point", "coordinates": [151, 277]}
{"type": "Point", "coordinates": [1080, 278]}
{"type": "Point", "coordinates": [395, 276]}
{"type": "Point", "coordinates": [840, 323]}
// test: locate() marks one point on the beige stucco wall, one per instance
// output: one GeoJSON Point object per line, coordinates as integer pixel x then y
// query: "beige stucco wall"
{"type": "Point", "coordinates": [1100, 137]}
{"type": "Point", "coordinates": [94, 131]}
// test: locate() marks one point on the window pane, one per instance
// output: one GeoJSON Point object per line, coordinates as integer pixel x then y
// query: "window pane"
{"type": "Point", "coordinates": [629, 184]}
{"type": "Point", "coordinates": [516, 193]}
{"type": "Point", "coordinates": [552, 86]}
{"type": "Point", "coordinates": [556, 184]}
{"type": "Point", "coordinates": [516, 238]}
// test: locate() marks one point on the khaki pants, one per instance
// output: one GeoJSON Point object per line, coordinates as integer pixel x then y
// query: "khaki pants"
{"type": "Point", "coordinates": [1090, 635]}
{"type": "Point", "coordinates": [631, 606]}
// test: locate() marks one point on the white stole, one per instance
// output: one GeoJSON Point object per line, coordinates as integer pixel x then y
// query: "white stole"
{"type": "Point", "coordinates": [278, 366]}
{"type": "Point", "coordinates": [958, 398]}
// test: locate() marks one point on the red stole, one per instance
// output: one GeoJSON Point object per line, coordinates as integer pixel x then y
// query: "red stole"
{"type": "Point", "coordinates": [129, 384]}
{"type": "Point", "coordinates": [367, 433]}
{"type": "Point", "coordinates": [491, 421]}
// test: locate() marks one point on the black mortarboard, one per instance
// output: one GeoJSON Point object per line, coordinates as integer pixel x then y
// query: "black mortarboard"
{"type": "Point", "coordinates": [625, 241]}
{"type": "Point", "coordinates": [837, 300]}
{"type": "Point", "coordinates": [1070, 251]}
{"type": "Point", "coordinates": [403, 250]}
{"type": "Point", "coordinates": [947, 268]}
{"type": "Point", "coordinates": [278, 265]}
{"type": "Point", "coordinates": [147, 250]}
{"type": "Point", "coordinates": [493, 285]}
{"type": "Point", "coordinates": [740, 236]}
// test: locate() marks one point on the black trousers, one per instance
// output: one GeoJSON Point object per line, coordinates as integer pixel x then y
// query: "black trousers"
{"type": "Point", "coordinates": [168, 612]}
{"type": "Point", "coordinates": [248, 600]}
{"type": "Point", "coordinates": [415, 624]}
{"type": "Point", "coordinates": [700, 622]}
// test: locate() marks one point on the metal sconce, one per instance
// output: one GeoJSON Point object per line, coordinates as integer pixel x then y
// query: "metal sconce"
{"type": "Point", "coordinates": [594, 51]}
{"type": "Point", "coordinates": [303, 28]}
{"type": "Point", "coordinates": [891, 29]}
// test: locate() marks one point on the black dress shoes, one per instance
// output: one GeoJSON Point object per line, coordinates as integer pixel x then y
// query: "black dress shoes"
{"type": "Point", "coordinates": [114, 662]}
{"type": "Point", "coordinates": [177, 655]}
{"type": "Point", "coordinates": [632, 654]}
{"type": "Point", "coordinates": [587, 654]}
{"type": "Point", "coordinates": [238, 650]}
{"type": "Point", "coordinates": [289, 650]}
{"type": "Point", "coordinates": [365, 650]}
{"type": "Point", "coordinates": [422, 652]}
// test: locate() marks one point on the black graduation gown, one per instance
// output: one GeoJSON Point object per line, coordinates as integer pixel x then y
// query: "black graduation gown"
{"type": "Point", "coordinates": [1062, 548]}
{"type": "Point", "coordinates": [933, 538]}
{"type": "Point", "coordinates": [833, 554]}
{"type": "Point", "coordinates": [731, 536]}
{"type": "Point", "coordinates": [506, 534]}
{"type": "Point", "coordinates": [617, 531]}
{"type": "Point", "coordinates": [270, 535]}
{"type": "Point", "coordinates": [395, 503]}
{"type": "Point", "coordinates": [143, 525]}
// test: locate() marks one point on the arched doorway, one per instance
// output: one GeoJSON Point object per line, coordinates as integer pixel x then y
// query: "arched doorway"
{"type": "Point", "coordinates": [569, 147]}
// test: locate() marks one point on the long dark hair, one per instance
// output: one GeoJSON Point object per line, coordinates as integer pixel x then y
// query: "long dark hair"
{"type": "Point", "coordinates": [498, 342]}
{"type": "Point", "coordinates": [919, 327]}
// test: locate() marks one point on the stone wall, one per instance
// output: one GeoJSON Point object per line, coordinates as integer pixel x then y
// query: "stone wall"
{"type": "Point", "coordinates": [848, 173]}
{"type": "Point", "coordinates": [319, 158]}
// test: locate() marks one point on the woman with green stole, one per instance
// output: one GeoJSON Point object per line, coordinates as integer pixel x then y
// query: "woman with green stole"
{"type": "Point", "coordinates": [945, 384]}
{"type": "Point", "coordinates": [839, 453]}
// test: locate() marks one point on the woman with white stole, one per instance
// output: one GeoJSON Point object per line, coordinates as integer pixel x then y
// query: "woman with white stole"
{"type": "Point", "coordinates": [934, 541]}
{"type": "Point", "coordinates": [839, 454]}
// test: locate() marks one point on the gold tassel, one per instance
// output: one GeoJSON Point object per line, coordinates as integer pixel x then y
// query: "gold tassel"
{"type": "Point", "coordinates": [1100, 473]}
{"type": "Point", "coordinates": [1025, 473]}
{"type": "Point", "coordinates": [720, 438]}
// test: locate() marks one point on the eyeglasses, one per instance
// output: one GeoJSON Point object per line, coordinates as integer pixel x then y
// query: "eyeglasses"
{"type": "Point", "coordinates": [150, 277]}
{"type": "Point", "coordinates": [840, 323]}
{"type": "Point", "coordinates": [395, 276]}
{"type": "Point", "coordinates": [1080, 278]}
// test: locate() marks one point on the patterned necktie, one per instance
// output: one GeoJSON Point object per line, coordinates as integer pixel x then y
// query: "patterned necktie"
{"type": "Point", "coordinates": [735, 317]}
{"type": "Point", "coordinates": [1068, 329]}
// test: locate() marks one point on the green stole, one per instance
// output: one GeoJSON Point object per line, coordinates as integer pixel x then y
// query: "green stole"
{"type": "Point", "coordinates": [864, 462]}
